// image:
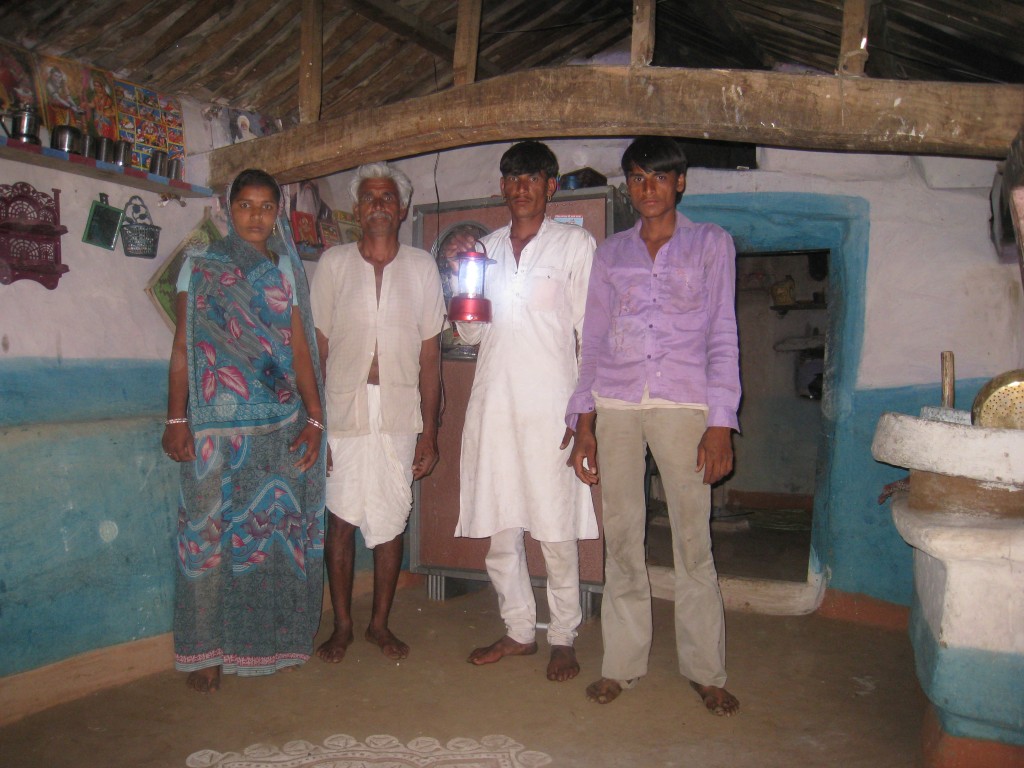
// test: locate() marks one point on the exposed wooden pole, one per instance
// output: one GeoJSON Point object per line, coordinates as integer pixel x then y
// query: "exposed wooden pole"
{"type": "Point", "coordinates": [642, 49]}
{"type": "Point", "coordinates": [311, 61]}
{"type": "Point", "coordinates": [820, 112]}
{"type": "Point", "coordinates": [853, 46]}
{"type": "Point", "coordinates": [467, 42]}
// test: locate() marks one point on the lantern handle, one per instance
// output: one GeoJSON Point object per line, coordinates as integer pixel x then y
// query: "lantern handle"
{"type": "Point", "coordinates": [483, 249]}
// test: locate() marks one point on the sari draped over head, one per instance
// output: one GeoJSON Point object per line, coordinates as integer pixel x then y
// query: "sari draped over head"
{"type": "Point", "coordinates": [250, 526]}
{"type": "Point", "coordinates": [239, 336]}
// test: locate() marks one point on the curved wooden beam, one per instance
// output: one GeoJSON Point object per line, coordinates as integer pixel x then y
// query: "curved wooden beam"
{"type": "Point", "coordinates": [818, 112]}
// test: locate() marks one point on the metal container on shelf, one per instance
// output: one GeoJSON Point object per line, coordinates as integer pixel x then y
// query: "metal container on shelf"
{"type": "Point", "coordinates": [158, 162]}
{"type": "Point", "coordinates": [174, 168]}
{"type": "Point", "coordinates": [66, 138]}
{"type": "Point", "coordinates": [122, 153]}
{"type": "Point", "coordinates": [88, 145]}
{"type": "Point", "coordinates": [24, 123]}
{"type": "Point", "coordinates": [104, 149]}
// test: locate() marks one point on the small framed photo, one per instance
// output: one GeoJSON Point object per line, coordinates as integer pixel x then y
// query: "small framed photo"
{"type": "Point", "coordinates": [103, 224]}
{"type": "Point", "coordinates": [348, 226]}
{"type": "Point", "coordinates": [304, 226]}
{"type": "Point", "coordinates": [330, 232]}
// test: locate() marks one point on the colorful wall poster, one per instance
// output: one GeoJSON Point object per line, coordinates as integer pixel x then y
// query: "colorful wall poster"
{"type": "Point", "coordinates": [60, 82]}
{"type": "Point", "coordinates": [150, 121]}
{"type": "Point", "coordinates": [17, 78]}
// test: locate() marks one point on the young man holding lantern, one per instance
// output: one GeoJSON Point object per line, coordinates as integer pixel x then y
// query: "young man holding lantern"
{"type": "Point", "coordinates": [514, 474]}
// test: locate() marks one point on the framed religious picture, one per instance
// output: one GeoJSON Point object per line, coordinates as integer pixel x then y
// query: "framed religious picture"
{"type": "Point", "coordinates": [330, 232]}
{"type": "Point", "coordinates": [348, 226]}
{"type": "Point", "coordinates": [60, 83]}
{"type": "Point", "coordinates": [103, 224]}
{"type": "Point", "coordinates": [17, 78]}
{"type": "Point", "coordinates": [304, 229]}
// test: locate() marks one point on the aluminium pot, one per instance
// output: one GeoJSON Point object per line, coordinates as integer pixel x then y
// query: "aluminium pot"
{"type": "Point", "coordinates": [104, 149]}
{"type": "Point", "coordinates": [66, 138]}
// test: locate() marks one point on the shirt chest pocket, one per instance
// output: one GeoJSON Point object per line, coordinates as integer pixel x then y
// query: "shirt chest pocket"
{"type": "Point", "coordinates": [545, 289]}
{"type": "Point", "coordinates": [684, 291]}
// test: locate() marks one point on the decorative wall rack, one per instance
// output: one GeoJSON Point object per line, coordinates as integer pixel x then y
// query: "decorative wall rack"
{"type": "Point", "coordinates": [30, 232]}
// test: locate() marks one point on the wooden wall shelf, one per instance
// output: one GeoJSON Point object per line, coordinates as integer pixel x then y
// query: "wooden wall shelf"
{"type": "Point", "coordinates": [782, 309]}
{"type": "Point", "coordinates": [44, 157]}
{"type": "Point", "coordinates": [30, 233]}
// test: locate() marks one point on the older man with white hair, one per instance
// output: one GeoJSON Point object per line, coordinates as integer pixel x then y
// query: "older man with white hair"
{"type": "Point", "coordinates": [379, 311]}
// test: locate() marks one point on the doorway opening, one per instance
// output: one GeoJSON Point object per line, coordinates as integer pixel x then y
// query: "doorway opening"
{"type": "Point", "coordinates": [762, 512]}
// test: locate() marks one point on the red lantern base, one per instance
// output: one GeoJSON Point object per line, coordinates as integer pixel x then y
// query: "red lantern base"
{"type": "Point", "coordinates": [469, 309]}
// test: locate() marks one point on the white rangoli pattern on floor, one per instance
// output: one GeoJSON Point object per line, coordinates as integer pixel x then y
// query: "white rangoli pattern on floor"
{"type": "Point", "coordinates": [343, 751]}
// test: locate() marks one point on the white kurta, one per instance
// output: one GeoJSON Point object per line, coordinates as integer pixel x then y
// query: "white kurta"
{"type": "Point", "coordinates": [346, 310]}
{"type": "Point", "coordinates": [513, 474]}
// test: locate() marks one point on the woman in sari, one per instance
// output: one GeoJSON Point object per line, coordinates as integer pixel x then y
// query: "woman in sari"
{"type": "Point", "coordinates": [246, 421]}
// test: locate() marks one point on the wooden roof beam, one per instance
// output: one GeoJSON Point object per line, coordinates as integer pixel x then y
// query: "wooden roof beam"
{"type": "Point", "coordinates": [818, 112]}
{"type": "Point", "coordinates": [409, 26]}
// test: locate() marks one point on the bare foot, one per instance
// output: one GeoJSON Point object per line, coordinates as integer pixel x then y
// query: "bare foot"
{"type": "Point", "coordinates": [204, 680]}
{"type": "Point", "coordinates": [499, 649]}
{"type": "Point", "coordinates": [718, 700]}
{"type": "Point", "coordinates": [332, 650]}
{"type": "Point", "coordinates": [563, 664]}
{"type": "Point", "coordinates": [604, 691]}
{"type": "Point", "coordinates": [389, 645]}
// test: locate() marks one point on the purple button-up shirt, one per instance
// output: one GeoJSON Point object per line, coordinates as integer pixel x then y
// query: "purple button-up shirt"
{"type": "Point", "coordinates": [669, 324]}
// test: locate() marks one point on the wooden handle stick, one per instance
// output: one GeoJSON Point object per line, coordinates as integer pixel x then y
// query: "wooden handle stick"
{"type": "Point", "coordinates": [948, 380]}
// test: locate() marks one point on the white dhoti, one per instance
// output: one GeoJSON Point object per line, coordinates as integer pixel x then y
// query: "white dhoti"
{"type": "Point", "coordinates": [370, 486]}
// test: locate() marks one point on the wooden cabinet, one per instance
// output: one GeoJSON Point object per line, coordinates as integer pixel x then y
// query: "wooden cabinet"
{"type": "Point", "coordinates": [435, 550]}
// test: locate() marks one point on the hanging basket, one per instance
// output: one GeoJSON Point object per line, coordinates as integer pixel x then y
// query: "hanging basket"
{"type": "Point", "coordinates": [139, 235]}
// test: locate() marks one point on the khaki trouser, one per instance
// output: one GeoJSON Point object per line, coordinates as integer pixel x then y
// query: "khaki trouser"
{"type": "Point", "coordinates": [673, 435]}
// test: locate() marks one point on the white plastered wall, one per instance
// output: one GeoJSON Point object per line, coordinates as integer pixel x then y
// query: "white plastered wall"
{"type": "Point", "coordinates": [934, 282]}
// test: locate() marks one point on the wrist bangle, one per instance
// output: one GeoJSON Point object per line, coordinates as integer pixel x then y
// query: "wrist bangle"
{"type": "Point", "coordinates": [315, 423]}
{"type": "Point", "coordinates": [182, 420]}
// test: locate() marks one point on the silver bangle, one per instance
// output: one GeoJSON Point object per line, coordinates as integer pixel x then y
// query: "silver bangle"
{"type": "Point", "coordinates": [182, 420]}
{"type": "Point", "coordinates": [315, 423]}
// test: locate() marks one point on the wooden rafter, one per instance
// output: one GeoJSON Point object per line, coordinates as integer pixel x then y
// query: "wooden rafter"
{"type": "Point", "coordinates": [853, 51]}
{"type": "Point", "coordinates": [642, 44]}
{"type": "Point", "coordinates": [768, 108]}
{"type": "Point", "coordinates": [467, 42]}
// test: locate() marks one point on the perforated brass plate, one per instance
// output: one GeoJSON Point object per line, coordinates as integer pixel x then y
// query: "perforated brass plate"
{"type": "Point", "coordinates": [1000, 403]}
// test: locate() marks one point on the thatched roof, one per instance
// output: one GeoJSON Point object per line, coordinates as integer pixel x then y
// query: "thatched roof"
{"type": "Point", "coordinates": [246, 54]}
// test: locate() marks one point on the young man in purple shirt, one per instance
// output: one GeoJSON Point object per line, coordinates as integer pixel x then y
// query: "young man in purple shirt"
{"type": "Point", "coordinates": [660, 368]}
